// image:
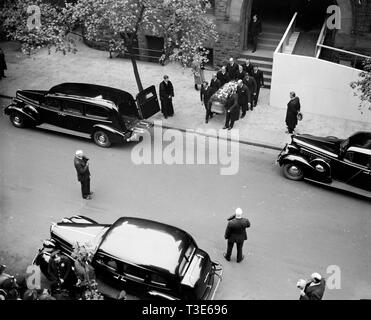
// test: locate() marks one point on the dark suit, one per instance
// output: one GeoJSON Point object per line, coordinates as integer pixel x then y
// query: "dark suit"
{"type": "Point", "coordinates": [293, 107]}
{"type": "Point", "coordinates": [223, 78]}
{"type": "Point", "coordinates": [236, 233]}
{"type": "Point", "coordinates": [166, 95]}
{"type": "Point", "coordinates": [240, 75]}
{"type": "Point", "coordinates": [61, 270]}
{"type": "Point", "coordinates": [255, 30]}
{"type": "Point", "coordinates": [83, 175]}
{"type": "Point", "coordinates": [233, 110]}
{"type": "Point", "coordinates": [215, 84]}
{"type": "Point", "coordinates": [244, 98]}
{"type": "Point", "coordinates": [259, 79]}
{"type": "Point", "coordinates": [232, 70]}
{"type": "Point", "coordinates": [248, 68]}
{"type": "Point", "coordinates": [252, 86]}
{"type": "Point", "coordinates": [314, 292]}
{"type": "Point", "coordinates": [205, 95]}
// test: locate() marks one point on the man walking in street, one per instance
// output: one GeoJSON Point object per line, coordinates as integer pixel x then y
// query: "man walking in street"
{"type": "Point", "coordinates": [259, 79]}
{"type": "Point", "coordinates": [313, 289]}
{"type": "Point", "coordinates": [244, 97]}
{"type": "Point", "coordinates": [166, 97]}
{"type": "Point", "coordinates": [205, 95]}
{"type": "Point", "coordinates": [2, 64]}
{"type": "Point", "coordinates": [236, 233]}
{"type": "Point", "coordinates": [293, 108]}
{"type": "Point", "coordinates": [83, 173]}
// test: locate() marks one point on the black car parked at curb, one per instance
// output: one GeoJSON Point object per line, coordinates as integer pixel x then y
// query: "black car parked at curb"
{"type": "Point", "coordinates": [105, 115]}
{"type": "Point", "coordinates": [148, 259]}
{"type": "Point", "coordinates": [344, 164]}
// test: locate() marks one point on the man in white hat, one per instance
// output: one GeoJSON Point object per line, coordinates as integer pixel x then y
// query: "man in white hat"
{"type": "Point", "coordinates": [83, 173]}
{"type": "Point", "coordinates": [313, 289]}
{"type": "Point", "coordinates": [236, 233]}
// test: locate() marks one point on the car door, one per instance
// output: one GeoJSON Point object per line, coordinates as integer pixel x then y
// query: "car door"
{"type": "Point", "coordinates": [359, 160]}
{"type": "Point", "coordinates": [96, 114]}
{"type": "Point", "coordinates": [50, 111]}
{"type": "Point", "coordinates": [147, 102]}
{"type": "Point", "coordinates": [72, 115]}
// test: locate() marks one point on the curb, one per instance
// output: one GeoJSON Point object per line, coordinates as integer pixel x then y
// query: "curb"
{"type": "Point", "coordinates": [247, 142]}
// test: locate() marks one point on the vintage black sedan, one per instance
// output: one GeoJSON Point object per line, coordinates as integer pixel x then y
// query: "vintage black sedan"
{"type": "Point", "coordinates": [146, 258]}
{"type": "Point", "coordinates": [105, 115]}
{"type": "Point", "coordinates": [340, 163]}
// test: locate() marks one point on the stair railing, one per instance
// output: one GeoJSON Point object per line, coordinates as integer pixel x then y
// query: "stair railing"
{"type": "Point", "coordinates": [287, 35]}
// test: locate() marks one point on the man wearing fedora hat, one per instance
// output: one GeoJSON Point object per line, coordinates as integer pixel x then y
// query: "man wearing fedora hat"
{"type": "Point", "coordinates": [83, 173]}
{"type": "Point", "coordinates": [236, 233]}
{"type": "Point", "coordinates": [313, 289]}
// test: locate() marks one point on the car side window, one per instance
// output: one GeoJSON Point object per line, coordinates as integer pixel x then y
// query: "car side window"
{"type": "Point", "coordinates": [53, 104]}
{"type": "Point", "coordinates": [96, 112]}
{"type": "Point", "coordinates": [134, 273]}
{"type": "Point", "coordinates": [158, 280]}
{"type": "Point", "coordinates": [73, 107]}
{"type": "Point", "coordinates": [359, 158]}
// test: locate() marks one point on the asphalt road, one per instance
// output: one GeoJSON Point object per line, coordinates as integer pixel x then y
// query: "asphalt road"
{"type": "Point", "coordinates": [297, 228]}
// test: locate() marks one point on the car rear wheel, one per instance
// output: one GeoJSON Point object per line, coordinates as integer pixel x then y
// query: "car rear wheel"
{"type": "Point", "coordinates": [101, 139]}
{"type": "Point", "coordinates": [17, 120]}
{"type": "Point", "coordinates": [293, 171]}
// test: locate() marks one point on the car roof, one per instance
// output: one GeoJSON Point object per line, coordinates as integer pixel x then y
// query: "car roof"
{"type": "Point", "coordinates": [96, 100]}
{"type": "Point", "coordinates": [90, 92]}
{"type": "Point", "coordinates": [147, 243]}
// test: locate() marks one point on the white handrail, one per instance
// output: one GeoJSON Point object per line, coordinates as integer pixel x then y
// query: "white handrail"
{"type": "Point", "coordinates": [321, 38]}
{"type": "Point", "coordinates": [286, 34]}
{"type": "Point", "coordinates": [344, 51]}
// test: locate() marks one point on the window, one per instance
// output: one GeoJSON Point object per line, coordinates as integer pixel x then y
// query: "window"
{"type": "Point", "coordinates": [96, 112]}
{"type": "Point", "coordinates": [73, 107]}
{"type": "Point", "coordinates": [359, 158]}
{"type": "Point", "coordinates": [53, 104]}
{"type": "Point", "coordinates": [158, 280]}
{"type": "Point", "coordinates": [134, 273]}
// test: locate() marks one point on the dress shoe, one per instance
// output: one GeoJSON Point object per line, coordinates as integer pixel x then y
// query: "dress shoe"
{"type": "Point", "coordinates": [206, 121]}
{"type": "Point", "coordinates": [225, 256]}
{"type": "Point", "coordinates": [243, 257]}
{"type": "Point", "coordinates": [91, 193]}
{"type": "Point", "coordinates": [225, 127]}
{"type": "Point", "coordinates": [243, 115]}
{"type": "Point", "coordinates": [230, 128]}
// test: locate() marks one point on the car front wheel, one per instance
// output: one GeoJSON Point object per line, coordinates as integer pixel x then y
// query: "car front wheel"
{"type": "Point", "coordinates": [293, 171]}
{"type": "Point", "coordinates": [17, 120]}
{"type": "Point", "coordinates": [101, 139]}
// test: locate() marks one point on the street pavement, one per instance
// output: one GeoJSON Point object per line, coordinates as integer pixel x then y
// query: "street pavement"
{"type": "Point", "coordinates": [297, 228]}
{"type": "Point", "coordinates": [264, 126]}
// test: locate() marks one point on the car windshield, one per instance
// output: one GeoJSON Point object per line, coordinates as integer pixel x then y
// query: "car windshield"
{"type": "Point", "coordinates": [184, 263]}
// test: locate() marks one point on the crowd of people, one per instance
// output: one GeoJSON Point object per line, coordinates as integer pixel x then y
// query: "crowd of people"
{"type": "Point", "coordinates": [241, 98]}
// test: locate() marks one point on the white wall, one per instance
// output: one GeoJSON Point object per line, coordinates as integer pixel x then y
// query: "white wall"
{"type": "Point", "coordinates": [323, 87]}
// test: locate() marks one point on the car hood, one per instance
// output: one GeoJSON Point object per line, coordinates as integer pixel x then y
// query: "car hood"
{"type": "Point", "coordinates": [70, 233]}
{"type": "Point", "coordinates": [330, 144]}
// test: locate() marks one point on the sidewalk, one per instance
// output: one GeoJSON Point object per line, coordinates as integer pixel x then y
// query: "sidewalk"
{"type": "Point", "coordinates": [265, 126]}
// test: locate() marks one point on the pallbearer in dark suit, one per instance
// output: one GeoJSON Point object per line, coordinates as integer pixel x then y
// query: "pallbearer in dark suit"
{"type": "Point", "coordinates": [232, 69]}
{"type": "Point", "coordinates": [215, 83]}
{"type": "Point", "coordinates": [166, 97]}
{"type": "Point", "coordinates": [205, 95]}
{"type": "Point", "coordinates": [232, 110]}
{"type": "Point", "coordinates": [223, 76]}
{"type": "Point", "coordinates": [236, 233]}
{"type": "Point", "coordinates": [244, 97]}
{"type": "Point", "coordinates": [83, 173]}
{"type": "Point", "coordinates": [250, 83]}
{"type": "Point", "coordinates": [248, 67]}
{"type": "Point", "coordinates": [259, 79]}
{"type": "Point", "coordinates": [241, 73]}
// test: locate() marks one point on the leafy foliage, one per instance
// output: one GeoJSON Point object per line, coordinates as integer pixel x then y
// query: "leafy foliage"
{"type": "Point", "coordinates": [15, 22]}
{"type": "Point", "coordinates": [363, 86]}
{"type": "Point", "coordinates": [183, 24]}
